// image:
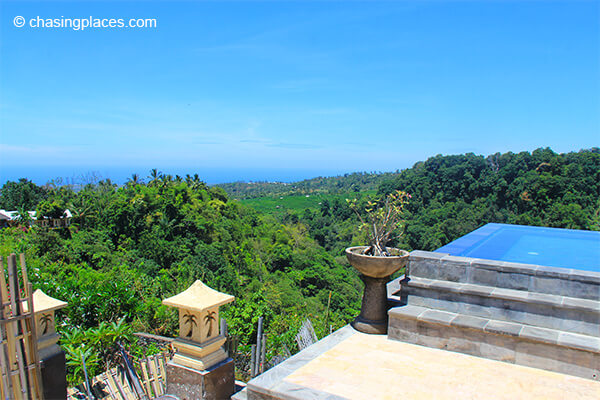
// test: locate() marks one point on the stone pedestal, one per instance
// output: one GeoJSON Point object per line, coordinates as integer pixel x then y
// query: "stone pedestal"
{"type": "Point", "coordinates": [373, 316]}
{"type": "Point", "coordinates": [54, 374]}
{"type": "Point", "coordinates": [375, 273]}
{"type": "Point", "coordinates": [215, 383]}
{"type": "Point", "coordinates": [51, 356]}
{"type": "Point", "coordinates": [200, 368]}
{"type": "Point", "coordinates": [199, 356]}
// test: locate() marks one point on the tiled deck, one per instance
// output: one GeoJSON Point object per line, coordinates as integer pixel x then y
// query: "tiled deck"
{"type": "Point", "coordinates": [353, 365]}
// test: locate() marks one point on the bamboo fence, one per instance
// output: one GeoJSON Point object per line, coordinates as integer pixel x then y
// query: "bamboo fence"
{"type": "Point", "coordinates": [114, 384]}
{"type": "Point", "coordinates": [20, 376]}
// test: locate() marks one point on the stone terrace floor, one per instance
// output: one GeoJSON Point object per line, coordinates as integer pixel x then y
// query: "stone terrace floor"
{"type": "Point", "coordinates": [352, 365]}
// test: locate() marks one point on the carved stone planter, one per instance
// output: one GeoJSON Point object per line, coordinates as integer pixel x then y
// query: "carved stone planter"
{"type": "Point", "coordinates": [375, 273]}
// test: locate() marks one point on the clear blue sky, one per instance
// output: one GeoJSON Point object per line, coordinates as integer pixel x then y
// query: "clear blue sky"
{"type": "Point", "coordinates": [285, 90]}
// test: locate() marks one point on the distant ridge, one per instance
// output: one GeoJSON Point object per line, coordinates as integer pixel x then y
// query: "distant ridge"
{"type": "Point", "coordinates": [352, 182]}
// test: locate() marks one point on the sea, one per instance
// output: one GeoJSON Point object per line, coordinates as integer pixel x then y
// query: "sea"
{"type": "Point", "coordinates": [41, 175]}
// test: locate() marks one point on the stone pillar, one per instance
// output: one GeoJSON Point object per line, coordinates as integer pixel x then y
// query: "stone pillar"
{"type": "Point", "coordinates": [373, 317]}
{"type": "Point", "coordinates": [52, 358]}
{"type": "Point", "coordinates": [200, 368]}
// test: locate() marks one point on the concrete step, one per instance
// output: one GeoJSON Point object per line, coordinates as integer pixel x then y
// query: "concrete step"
{"type": "Point", "coordinates": [549, 349]}
{"type": "Point", "coordinates": [538, 309]}
{"type": "Point", "coordinates": [533, 278]}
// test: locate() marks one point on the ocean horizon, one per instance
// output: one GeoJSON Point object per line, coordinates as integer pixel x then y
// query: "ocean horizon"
{"type": "Point", "coordinates": [119, 175]}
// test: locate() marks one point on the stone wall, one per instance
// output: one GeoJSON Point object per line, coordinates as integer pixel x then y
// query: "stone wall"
{"type": "Point", "coordinates": [538, 316]}
{"type": "Point", "coordinates": [532, 278]}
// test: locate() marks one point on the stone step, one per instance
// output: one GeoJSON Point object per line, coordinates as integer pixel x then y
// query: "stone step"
{"type": "Point", "coordinates": [533, 278]}
{"type": "Point", "coordinates": [516, 343]}
{"type": "Point", "coordinates": [537, 309]}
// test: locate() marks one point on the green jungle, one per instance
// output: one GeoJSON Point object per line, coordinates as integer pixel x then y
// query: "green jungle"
{"type": "Point", "coordinates": [277, 247]}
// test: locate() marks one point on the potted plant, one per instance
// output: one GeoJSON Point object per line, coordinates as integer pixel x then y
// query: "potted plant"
{"type": "Point", "coordinates": [376, 262]}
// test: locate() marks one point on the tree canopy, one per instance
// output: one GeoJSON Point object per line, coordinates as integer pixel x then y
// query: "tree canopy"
{"type": "Point", "coordinates": [129, 247]}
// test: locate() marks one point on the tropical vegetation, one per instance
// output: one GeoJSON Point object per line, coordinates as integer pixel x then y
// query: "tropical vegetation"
{"type": "Point", "coordinates": [130, 246]}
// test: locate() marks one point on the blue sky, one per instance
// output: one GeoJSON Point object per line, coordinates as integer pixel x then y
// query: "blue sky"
{"type": "Point", "coordinates": [288, 90]}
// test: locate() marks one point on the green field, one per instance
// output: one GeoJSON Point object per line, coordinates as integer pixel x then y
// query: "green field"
{"type": "Point", "coordinates": [276, 205]}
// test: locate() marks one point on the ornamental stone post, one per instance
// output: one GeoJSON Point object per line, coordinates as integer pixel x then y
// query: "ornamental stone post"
{"type": "Point", "coordinates": [200, 368]}
{"type": "Point", "coordinates": [52, 358]}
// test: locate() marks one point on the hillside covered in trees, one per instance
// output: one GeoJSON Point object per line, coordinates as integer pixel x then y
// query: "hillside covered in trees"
{"type": "Point", "coordinates": [453, 195]}
{"type": "Point", "coordinates": [348, 183]}
{"type": "Point", "coordinates": [129, 247]}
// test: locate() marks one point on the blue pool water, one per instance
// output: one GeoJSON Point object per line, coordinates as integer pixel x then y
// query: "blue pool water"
{"type": "Point", "coordinates": [554, 247]}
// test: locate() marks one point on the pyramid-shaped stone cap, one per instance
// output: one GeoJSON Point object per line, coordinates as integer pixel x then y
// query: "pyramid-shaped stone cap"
{"type": "Point", "coordinates": [198, 297]}
{"type": "Point", "coordinates": [44, 303]}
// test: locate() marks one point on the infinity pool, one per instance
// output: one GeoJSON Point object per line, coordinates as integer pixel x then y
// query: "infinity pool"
{"type": "Point", "coordinates": [554, 247]}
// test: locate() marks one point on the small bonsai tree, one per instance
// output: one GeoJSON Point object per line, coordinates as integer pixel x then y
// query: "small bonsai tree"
{"type": "Point", "coordinates": [382, 221]}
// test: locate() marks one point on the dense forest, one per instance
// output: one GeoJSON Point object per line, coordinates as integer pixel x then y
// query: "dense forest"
{"type": "Point", "coordinates": [131, 246]}
{"type": "Point", "coordinates": [453, 195]}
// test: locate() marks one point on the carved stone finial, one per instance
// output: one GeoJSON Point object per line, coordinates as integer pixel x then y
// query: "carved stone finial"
{"type": "Point", "coordinates": [200, 342]}
{"type": "Point", "coordinates": [44, 307]}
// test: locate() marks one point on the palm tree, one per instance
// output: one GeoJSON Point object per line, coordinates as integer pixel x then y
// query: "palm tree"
{"type": "Point", "coordinates": [189, 318]}
{"type": "Point", "coordinates": [134, 180]}
{"type": "Point", "coordinates": [194, 182]}
{"type": "Point", "coordinates": [81, 208]}
{"type": "Point", "coordinates": [23, 217]}
{"type": "Point", "coordinates": [100, 336]}
{"type": "Point", "coordinates": [45, 320]}
{"type": "Point", "coordinates": [208, 320]}
{"type": "Point", "coordinates": [198, 183]}
{"type": "Point", "coordinates": [80, 358]}
{"type": "Point", "coordinates": [154, 174]}
{"type": "Point", "coordinates": [120, 332]}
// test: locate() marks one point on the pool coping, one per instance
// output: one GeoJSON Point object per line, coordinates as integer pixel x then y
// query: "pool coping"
{"type": "Point", "coordinates": [459, 246]}
{"type": "Point", "coordinates": [572, 274]}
